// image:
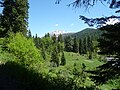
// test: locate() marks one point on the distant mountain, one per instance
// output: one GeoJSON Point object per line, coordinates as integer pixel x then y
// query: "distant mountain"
{"type": "Point", "coordinates": [94, 33]}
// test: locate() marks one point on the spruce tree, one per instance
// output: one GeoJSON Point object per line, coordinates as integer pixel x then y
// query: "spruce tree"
{"type": "Point", "coordinates": [90, 47]}
{"type": "Point", "coordinates": [68, 44]}
{"type": "Point", "coordinates": [54, 39]}
{"type": "Point", "coordinates": [54, 57]}
{"type": "Point", "coordinates": [60, 38]}
{"type": "Point", "coordinates": [29, 34]}
{"type": "Point", "coordinates": [43, 51]}
{"type": "Point", "coordinates": [63, 60]}
{"type": "Point", "coordinates": [59, 47]}
{"type": "Point", "coordinates": [14, 16]}
{"type": "Point", "coordinates": [37, 41]}
{"type": "Point", "coordinates": [76, 45]}
{"type": "Point", "coordinates": [81, 48]}
{"type": "Point", "coordinates": [85, 46]}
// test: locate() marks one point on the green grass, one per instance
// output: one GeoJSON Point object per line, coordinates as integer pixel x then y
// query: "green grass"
{"type": "Point", "coordinates": [71, 59]}
{"type": "Point", "coordinates": [79, 59]}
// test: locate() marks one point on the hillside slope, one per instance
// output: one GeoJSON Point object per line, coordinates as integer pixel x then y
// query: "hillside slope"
{"type": "Point", "coordinates": [94, 33]}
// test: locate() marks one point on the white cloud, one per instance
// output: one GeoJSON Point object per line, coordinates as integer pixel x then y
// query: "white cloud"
{"type": "Point", "coordinates": [72, 24]}
{"type": "Point", "coordinates": [56, 25]}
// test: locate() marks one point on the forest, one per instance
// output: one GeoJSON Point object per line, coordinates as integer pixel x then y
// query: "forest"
{"type": "Point", "coordinates": [85, 60]}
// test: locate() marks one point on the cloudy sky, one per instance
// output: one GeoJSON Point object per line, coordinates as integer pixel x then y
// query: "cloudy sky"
{"type": "Point", "coordinates": [46, 16]}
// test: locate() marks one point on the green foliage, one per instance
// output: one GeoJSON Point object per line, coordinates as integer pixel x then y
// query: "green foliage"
{"type": "Point", "coordinates": [81, 47]}
{"type": "Point", "coordinates": [110, 42]}
{"type": "Point", "coordinates": [15, 16]}
{"type": "Point", "coordinates": [54, 39]}
{"type": "Point", "coordinates": [29, 34]}
{"type": "Point", "coordinates": [54, 57]}
{"type": "Point", "coordinates": [43, 52]}
{"type": "Point", "coordinates": [81, 78]}
{"type": "Point", "coordinates": [23, 48]}
{"type": "Point", "coordinates": [47, 41]}
{"type": "Point", "coordinates": [60, 39]}
{"type": "Point", "coordinates": [88, 32]}
{"type": "Point", "coordinates": [63, 60]}
{"type": "Point", "coordinates": [5, 56]}
{"type": "Point", "coordinates": [75, 45]}
{"type": "Point", "coordinates": [68, 44]}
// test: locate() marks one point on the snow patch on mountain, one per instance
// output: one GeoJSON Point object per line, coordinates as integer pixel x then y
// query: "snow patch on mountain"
{"type": "Point", "coordinates": [57, 32]}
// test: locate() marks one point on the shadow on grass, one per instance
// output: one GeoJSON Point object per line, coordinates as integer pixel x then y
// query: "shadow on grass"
{"type": "Point", "coordinates": [16, 77]}
{"type": "Point", "coordinates": [105, 72]}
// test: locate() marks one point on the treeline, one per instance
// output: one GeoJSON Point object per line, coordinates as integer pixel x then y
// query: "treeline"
{"type": "Point", "coordinates": [55, 46]}
{"type": "Point", "coordinates": [52, 46]}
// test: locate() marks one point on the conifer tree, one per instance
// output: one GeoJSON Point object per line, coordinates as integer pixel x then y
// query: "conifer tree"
{"type": "Point", "coordinates": [63, 60]}
{"type": "Point", "coordinates": [29, 34]}
{"type": "Point", "coordinates": [76, 45]}
{"type": "Point", "coordinates": [81, 48]}
{"type": "Point", "coordinates": [90, 47]}
{"type": "Point", "coordinates": [47, 35]}
{"type": "Point", "coordinates": [85, 46]}
{"type": "Point", "coordinates": [54, 39]}
{"type": "Point", "coordinates": [59, 47]}
{"type": "Point", "coordinates": [37, 41]}
{"type": "Point", "coordinates": [60, 38]}
{"type": "Point", "coordinates": [54, 57]}
{"type": "Point", "coordinates": [43, 51]}
{"type": "Point", "coordinates": [14, 16]}
{"type": "Point", "coordinates": [68, 44]}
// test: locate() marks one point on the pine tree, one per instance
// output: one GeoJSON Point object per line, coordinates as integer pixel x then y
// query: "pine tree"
{"type": "Point", "coordinates": [54, 39]}
{"type": "Point", "coordinates": [68, 44]}
{"type": "Point", "coordinates": [43, 51]}
{"type": "Point", "coordinates": [110, 42]}
{"type": "Point", "coordinates": [90, 47]}
{"type": "Point", "coordinates": [29, 34]}
{"type": "Point", "coordinates": [37, 41]}
{"type": "Point", "coordinates": [81, 48]}
{"type": "Point", "coordinates": [63, 60]}
{"type": "Point", "coordinates": [85, 46]}
{"type": "Point", "coordinates": [15, 16]}
{"type": "Point", "coordinates": [54, 57]}
{"type": "Point", "coordinates": [75, 46]}
{"type": "Point", "coordinates": [60, 38]}
{"type": "Point", "coordinates": [47, 35]}
{"type": "Point", "coordinates": [59, 47]}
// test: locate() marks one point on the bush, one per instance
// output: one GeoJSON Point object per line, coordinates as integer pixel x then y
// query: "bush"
{"type": "Point", "coordinates": [23, 48]}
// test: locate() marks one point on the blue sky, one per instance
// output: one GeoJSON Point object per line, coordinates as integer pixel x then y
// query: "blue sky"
{"type": "Point", "coordinates": [45, 16]}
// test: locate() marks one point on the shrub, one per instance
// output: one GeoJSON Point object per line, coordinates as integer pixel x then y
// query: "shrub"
{"type": "Point", "coordinates": [23, 48]}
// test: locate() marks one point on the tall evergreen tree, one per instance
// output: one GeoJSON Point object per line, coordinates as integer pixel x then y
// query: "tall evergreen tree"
{"type": "Point", "coordinates": [85, 45]}
{"type": "Point", "coordinates": [81, 47]}
{"type": "Point", "coordinates": [43, 51]}
{"type": "Point", "coordinates": [68, 44]}
{"type": "Point", "coordinates": [76, 45]}
{"type": "Point", "coordinates": [37, 41]}
{"type": "Point", "coordinates": [60, 39]}
{"type": "Point", "coordinates": [110, 42]}
{"type": "Point", "coordinates": [29, 34]}
{"type": "Point", "coordinates": [47, 35]}
{"type": "Point", "coordinates": [14, 16]}
{"type": "Point", "coordinates": [54, 39]}
{"type": "Point", "coordinates": [54, 57]}
{"type": "Point", "coordinates": [90, 47]}
{"type": "Point", "coordinates": [63, 60]}
{"type": "Point", "coordinates": [59, 47]}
